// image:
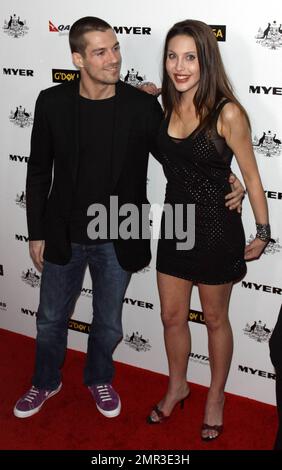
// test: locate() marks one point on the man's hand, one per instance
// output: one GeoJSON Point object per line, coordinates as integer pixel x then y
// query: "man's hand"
{"type": "Point", "coordinates": [36, 250]}
{"type": "Point", "coordinates": [254, 249]}
{"type": "Point", "coordinates": [234, 199]}
{"type": "Point", "coordinates": [150, 88]}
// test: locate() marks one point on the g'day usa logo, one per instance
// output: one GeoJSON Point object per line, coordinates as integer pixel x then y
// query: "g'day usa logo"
{"type": "Point", "coordinates": [64, 75]}
{"type": "Point", "coordinates": [219, 31]}
{"type": "Point", "coordinates": [15, 26]}
{"type": "Point", "coordinates": [20, 117]}
{"type": "Point", "coordinates": [270, 36]}
{"type": "Point", "coordinates": [267, 144]}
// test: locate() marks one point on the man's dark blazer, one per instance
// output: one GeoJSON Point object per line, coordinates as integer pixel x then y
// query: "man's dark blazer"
{"type": "Point", "coordinates": [54, 162]}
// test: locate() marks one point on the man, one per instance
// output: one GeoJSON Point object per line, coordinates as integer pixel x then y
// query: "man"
{"type": "Point", "coordinates": [275, 345]}
{"type": "Point", "coordinates": [90, 140]}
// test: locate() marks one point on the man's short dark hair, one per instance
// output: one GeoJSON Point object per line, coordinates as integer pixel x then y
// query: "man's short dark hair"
{"type": "Point", "coordinates": [82, 26]}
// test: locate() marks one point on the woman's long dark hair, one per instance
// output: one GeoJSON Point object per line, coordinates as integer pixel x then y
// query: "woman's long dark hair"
{"type": "Point", "coordinates": [214, 84]}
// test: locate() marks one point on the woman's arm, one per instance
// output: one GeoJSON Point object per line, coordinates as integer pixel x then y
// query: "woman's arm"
{"type": "Point", "coordinates": [235, 129]}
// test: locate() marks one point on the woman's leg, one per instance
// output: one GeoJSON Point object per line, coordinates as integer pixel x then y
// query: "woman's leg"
{"type": "Point", "coordinates": [175, 300]}
{"type": "Point", "coordinates": [215, 302]}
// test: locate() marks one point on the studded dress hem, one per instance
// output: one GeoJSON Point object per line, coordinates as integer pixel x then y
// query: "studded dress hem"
{"type": "Point", "coordinates": [201, 281]}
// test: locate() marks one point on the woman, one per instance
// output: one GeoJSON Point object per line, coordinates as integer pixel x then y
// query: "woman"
{"type": "Point", "coordinates": [204, 126]}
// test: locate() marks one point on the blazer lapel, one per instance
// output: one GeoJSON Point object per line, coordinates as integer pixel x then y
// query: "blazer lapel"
{"type": "Point", "coordinates": [75, 136]}
{"type": "Point", "coordinates": [122, 123]}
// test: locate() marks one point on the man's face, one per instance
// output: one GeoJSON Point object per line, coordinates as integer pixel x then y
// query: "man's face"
{"type": "Point", "coordinates": [101, 60]}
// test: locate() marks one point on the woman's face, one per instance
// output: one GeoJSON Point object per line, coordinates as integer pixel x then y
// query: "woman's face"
{"type": "Point", "coordinates": [182, 64]}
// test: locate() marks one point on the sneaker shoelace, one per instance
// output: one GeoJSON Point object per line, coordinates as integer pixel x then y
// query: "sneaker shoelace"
{"type": "Point", "coordinates": [31, 394]}
{"type": "Point", "coordinates": [104, 393]}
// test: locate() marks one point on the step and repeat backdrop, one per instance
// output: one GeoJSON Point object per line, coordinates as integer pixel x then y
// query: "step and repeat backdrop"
{"type": "Point", "coordinates": [35, 55]}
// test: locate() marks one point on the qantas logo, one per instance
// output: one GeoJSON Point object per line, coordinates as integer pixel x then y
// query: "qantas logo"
{"type": "Point", "coordinates": [61, 29]}
{"type": "Point", "coordinates": [53, 28]}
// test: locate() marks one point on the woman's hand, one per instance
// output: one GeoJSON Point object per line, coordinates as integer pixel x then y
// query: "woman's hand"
{"type": "Point", "coordinates": [150, 88]}
{"type": "Point", "coordinates": [254, 249]}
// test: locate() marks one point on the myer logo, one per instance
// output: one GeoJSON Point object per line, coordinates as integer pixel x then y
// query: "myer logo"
{"type": "Point", "coordinates": [265, 90]}
{"type": "Point", "coordinates": [219, 31]}
{"type": "Point", "coordinates": [261, 287]}
{"type": "Point", "coordinates": [27, 311]}
{"type": "Point", "coordinates": [273, 195]}
{"type": "Point", "coordinates": [138, 303]}
{"type": "Point", "coordinates": [18, 158]}
{"type": "Point", "coordinates": [260, 373]}
{"type": "Point", "coordinates": [196, 316]}
{"type": "Point", "coordinates": [132, 29]}
{"type": "Point", "coordinates": [18, 72]}
{"type": "Point", "coordinates": [64, 75]}
{"type": "Point", "coordinates": [21, 238]}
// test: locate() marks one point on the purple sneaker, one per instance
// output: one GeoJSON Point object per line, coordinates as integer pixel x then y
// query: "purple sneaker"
{"type": "Point", "coordinates": [107, 399]}
{"type": "Point", "coordinates": [32, 401]}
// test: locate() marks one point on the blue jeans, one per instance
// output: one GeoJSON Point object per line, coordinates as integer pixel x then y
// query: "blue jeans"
{"type": "Point", "coordinates": [60, 288]}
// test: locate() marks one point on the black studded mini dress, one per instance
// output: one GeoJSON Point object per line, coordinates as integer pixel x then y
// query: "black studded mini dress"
{"type": "Point", "coordinates": [197, 169]}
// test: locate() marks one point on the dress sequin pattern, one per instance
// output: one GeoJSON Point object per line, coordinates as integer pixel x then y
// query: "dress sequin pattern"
{"type": "Point", "coordinates": [197, 169]}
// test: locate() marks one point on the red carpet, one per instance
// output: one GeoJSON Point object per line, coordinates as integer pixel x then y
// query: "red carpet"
{"type": "Point", "coordinates": [70, 420]}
